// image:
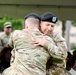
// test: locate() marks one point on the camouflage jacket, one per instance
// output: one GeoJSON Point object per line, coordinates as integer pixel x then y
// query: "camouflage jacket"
{"type": "Point", "coordinates": [58, 64]}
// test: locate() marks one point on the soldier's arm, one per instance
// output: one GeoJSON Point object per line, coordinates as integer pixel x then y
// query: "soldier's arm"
{"type": "Point", "coordinates": [59, 49]}
{"type": "Point", "coordinates": [59, 52]}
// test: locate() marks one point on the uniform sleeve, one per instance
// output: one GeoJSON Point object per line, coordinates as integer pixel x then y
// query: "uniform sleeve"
{"type": "Point", "coordinates": [59, 49]}
{"type": "Point", "coordinates": [57, 52]}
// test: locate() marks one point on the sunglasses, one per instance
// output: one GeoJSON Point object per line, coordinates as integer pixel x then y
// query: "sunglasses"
{"type": "Point", "coordinates": [8, 27]}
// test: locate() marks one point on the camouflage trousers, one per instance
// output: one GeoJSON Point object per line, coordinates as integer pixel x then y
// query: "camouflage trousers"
{"type": "Point", "coordinates": [57, 71]}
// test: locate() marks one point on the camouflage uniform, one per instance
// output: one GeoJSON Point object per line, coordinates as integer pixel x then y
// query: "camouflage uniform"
{"type": "Point", "coordinates": [58, 64]}
{"type": "Point", "coordinates": [30, 59]}
{"type": "Point", "coordinates": [3, 40]}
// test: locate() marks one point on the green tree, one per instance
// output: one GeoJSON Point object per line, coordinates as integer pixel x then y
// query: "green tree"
{"type": "Point", "coordinates": [16, 23]}
{"type": "Point", "coordinates": [73, 47]}
{"type": "Point", "coordinates": [74, 22]}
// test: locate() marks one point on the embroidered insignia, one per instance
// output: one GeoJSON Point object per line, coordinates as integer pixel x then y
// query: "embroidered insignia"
{"type": "Point", "coordinates": [53, 19]}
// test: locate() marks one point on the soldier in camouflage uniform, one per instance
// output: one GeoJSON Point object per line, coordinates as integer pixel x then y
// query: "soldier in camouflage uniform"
{"type": "Point", "coordinates": [31, 58]}
{"type": "Point", "coordinates": [4, 36]}
{"type": "Point", "coordinates": [58, 62]}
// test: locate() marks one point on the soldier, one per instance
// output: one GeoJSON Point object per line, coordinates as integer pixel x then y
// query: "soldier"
{"type": "Point", "coordinates": [73, 65]}
{"type": "Point", "coordinates": [29, 59]}
{"type": "Point", "coordinates": [57, 66]}
{"type": "Point", "coordinates": [4, 36]}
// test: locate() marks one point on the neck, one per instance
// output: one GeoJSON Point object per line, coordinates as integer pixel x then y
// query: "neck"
{"type": "Point", "coordinates": [7, 33]}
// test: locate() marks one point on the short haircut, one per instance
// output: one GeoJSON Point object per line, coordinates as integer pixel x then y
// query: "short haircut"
{"type": "Point", "coordinates": [32, 21]}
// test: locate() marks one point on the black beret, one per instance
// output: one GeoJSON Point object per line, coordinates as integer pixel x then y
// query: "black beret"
{"type": "Point", "coordinates": [34, 15]}
{"type": "Point", "coordinates": [49, 17]}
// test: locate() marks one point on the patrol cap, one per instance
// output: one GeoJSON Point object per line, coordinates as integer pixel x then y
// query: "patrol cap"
{"type": "Point", "coordinates": [7, 24]}
{"type": "Point", "coordinates": [34, 15]}
{"type": "Point", "coordinates": [49, 17]}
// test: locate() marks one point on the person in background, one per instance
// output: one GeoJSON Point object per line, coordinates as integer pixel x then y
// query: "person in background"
{"type": "Point", "coordinates": [73, 65]}
{"type": "Point", "coordinates": [5, 56]}
{"type": "Point", "coordinates": [68, 61]}
{"type": "Point", "coordinates": [74, 52]}
{"type": "Point", "coordinates": [59, 50]}
{"type": "Point", "coordinates": [5, 35]}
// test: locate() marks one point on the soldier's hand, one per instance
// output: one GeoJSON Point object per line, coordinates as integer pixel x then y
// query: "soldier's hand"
{"type": "Point", "coordinates": [42, 41]}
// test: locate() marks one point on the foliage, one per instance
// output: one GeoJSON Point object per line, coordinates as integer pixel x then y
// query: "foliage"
{"type": "Point", "coordinates": [74, 23]}
{"type": "Point", "coordinates": [16, 23]}
{"type": "Point", "coordinates": [73, 47]}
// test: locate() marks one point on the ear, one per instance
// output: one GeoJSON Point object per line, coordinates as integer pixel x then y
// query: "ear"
{"type": "Point", "coordinates": [40, 24]}
{"type": "Point", "coordinates": [26, 26]}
